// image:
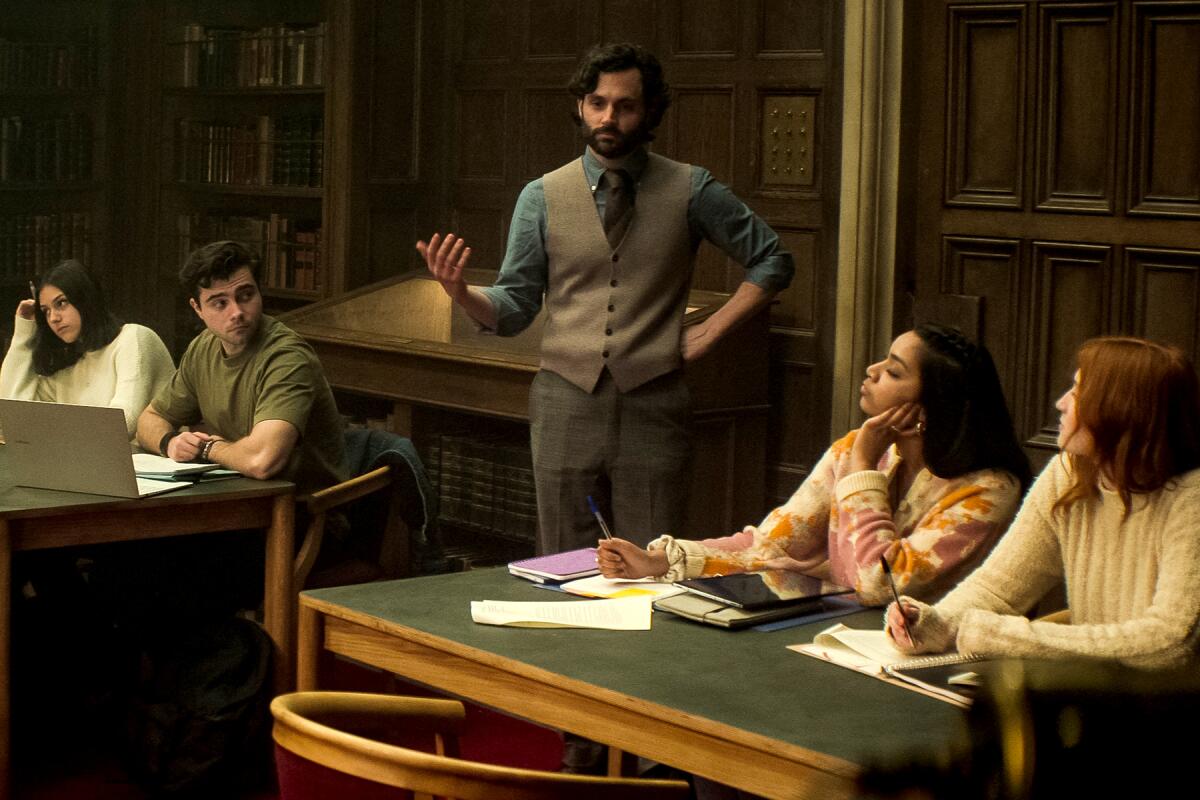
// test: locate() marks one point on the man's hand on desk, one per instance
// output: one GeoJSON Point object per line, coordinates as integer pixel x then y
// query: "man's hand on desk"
{"type": "Point", "coordinates": [618, 558]}
{"type": "Point", "coordinates": [187, 445]}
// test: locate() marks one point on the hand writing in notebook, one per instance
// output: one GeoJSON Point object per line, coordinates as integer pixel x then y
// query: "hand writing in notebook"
{"type": "Point", "coordinates": [901, 618]}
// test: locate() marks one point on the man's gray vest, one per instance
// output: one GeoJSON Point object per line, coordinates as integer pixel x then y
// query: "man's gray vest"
{"type": "Point", "coordinates": [623, 308]}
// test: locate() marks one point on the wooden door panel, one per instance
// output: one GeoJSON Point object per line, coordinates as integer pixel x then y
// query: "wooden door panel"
{"type": "Point", "coordinates": [1166, 295]}
{"type": "Point", "coordinates": [990, 269]}
{"type": "Point", "coordinates": [1076, 129]}
{"type": "Point", "coordinates": [1166, 127]}
{"type": "Point", "coordinates": [1090, 231]}
{"type": "Point", "coordinates": [987, 123]}
{"type": "Point", "coordinates": [1073, 300]}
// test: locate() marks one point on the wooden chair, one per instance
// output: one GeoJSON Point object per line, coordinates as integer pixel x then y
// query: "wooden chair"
{"type": "Point", "coordinates": [393, 561]}
{"type": "Point", "coordinates": [314, 751]}
{"type": "Point", "coordinates": [386, 464]}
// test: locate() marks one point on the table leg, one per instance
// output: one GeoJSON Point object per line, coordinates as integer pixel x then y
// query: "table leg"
{"type": "Point", "coordinates": [278, 597]}
{"type": "Point", "coordinates": [308, 649]}
{"type": "Point", "coordinates": [621, 764]}
{"type": "Point", "coordinates": [5, 658]}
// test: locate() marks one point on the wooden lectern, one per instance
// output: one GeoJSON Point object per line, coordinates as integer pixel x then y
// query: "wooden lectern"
{"type": "Point", "coordinates": [402, 339]}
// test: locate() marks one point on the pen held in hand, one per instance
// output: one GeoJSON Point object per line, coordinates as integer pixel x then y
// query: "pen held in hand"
{"type": "Point", "coordinates": [887, 570]}
{"type": "Point", "coordinates": [599, 517]}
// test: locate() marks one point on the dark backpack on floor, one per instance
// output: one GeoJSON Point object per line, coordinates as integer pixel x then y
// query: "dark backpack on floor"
{"type": "Point", "coordinates": [198, 720]}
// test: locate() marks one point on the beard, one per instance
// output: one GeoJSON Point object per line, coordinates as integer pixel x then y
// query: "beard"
{"type": "Point", "coordinates": [619, 146]}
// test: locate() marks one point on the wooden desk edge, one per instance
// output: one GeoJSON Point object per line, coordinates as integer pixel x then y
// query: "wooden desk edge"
{"type": "Point", "coordinates": [823, 775]}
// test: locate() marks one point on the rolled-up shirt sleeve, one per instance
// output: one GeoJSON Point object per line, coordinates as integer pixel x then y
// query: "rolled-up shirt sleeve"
{"type": "Point", "coordinates": [715, 213]}
{"type": "Point", "coordinates": [518, 291]}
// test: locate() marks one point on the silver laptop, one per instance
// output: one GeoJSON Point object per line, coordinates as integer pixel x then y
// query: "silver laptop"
{"type": "Point", "coordinates": [73, 449]}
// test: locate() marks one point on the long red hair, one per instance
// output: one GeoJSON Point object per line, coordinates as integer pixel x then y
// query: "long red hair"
{"type": "Point", "coordinates": [1140, 401]}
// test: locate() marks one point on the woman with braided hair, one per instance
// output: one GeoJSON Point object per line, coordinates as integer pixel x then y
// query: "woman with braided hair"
{"type": "Point", "coordinates": [1115, 516]}
{"type": "Point", "coordinates": [929, 482]}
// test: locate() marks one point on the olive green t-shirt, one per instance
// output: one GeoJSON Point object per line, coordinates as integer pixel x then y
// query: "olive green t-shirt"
{"type": "Point", "coordinates": [277, 376]}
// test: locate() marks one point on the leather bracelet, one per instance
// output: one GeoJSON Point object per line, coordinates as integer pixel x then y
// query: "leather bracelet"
{"type": "Point", "coordinates": [206, 449]}
{"type": "Point", "coordinates": [165, 441]}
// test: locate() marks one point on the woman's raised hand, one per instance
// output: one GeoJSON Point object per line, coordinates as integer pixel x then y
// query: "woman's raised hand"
{"type": "Point", "coordinates": [880, 431]}
{"type": "Point", "coordinates": [25, 309]}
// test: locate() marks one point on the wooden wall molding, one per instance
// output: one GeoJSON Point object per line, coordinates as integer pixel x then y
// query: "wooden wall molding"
{"type": "Point", "coordinates": [872, 50]}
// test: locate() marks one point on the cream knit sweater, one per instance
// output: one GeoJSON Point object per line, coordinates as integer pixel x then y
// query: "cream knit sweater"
{"type": "Point", "coordinates": [126, 373]}
{"type": "Point", "coordinates": [1133, 582]}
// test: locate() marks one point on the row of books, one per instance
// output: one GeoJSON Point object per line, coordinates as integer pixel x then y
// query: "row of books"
{"type": "Point", "coordinates": [485, 484]}
{"type": "Point", "coordinates": [258, 151]}
{"type": "Point", "coordinates": [32, 243]}
{"type": "Point", "coordinates": [281, 55]}
{"type": "Point", "coordinates": [49, 65]}
{"type": "Point", "coordinates": [289, 249]}
{"type": "Point", "coordinates": [46, 148]}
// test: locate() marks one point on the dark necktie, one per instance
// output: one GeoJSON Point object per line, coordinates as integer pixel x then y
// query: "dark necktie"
{"type": "Point", "coordinates": [617, 205]}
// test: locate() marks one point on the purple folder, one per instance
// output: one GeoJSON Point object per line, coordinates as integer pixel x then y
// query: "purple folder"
{"type": "Point", "coordinates": [557, 567]}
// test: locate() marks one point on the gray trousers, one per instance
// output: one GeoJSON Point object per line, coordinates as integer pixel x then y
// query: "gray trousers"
{"type": "Point", "coordinates": [628, 450]}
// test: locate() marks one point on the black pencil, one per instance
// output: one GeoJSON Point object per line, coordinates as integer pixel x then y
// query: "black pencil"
{"type": "Point", "coordinates": [887, 570]}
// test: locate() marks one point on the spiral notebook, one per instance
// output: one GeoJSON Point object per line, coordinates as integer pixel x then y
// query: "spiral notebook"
{"type": "Point", "coordinates": [872, 653]}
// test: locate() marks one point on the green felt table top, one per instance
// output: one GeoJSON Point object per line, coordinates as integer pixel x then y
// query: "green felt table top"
{"type": "Point", "coordinates": [742, 678]}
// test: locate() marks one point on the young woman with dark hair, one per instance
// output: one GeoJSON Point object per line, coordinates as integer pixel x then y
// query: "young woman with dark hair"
{"type": "Point", "coordinates": [929, 482]}
{"type": "Point", "coordinates": [1115, 515]}
{"type": "Point", "coordinates": [67, 347]}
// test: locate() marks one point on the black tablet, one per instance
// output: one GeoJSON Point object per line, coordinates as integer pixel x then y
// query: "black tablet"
{"type": "Point", "coordinates": [762, 589]}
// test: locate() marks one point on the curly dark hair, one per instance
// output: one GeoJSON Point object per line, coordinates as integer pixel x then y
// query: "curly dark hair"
{"type": "Point", "coordinates": [215, 261]}
{"type": "Point", "coordinates": [618, 57]}
{"type": "Point", "coordinates": [98, 326]}
{"type": "Point", "coordinates": [969, 427]}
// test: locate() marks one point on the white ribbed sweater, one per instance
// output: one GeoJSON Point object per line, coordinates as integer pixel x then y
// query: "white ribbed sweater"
{"type": "Point", "coordinates": [1133, 582]}
{"type": "Point", "coordinates": [126, 373]}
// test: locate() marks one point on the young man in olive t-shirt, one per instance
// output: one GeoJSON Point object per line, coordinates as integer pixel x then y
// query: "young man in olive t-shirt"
{"type": "Point", "coordinates": [251, 390]}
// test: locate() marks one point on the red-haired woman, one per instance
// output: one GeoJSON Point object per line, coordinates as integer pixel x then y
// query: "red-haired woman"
{"type": "Point", "coordinates": [1117, 515]}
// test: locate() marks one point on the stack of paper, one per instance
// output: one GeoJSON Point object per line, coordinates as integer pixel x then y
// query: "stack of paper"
{"type": "Point", "coordinates": [624, 614]}
{"type": "Point", "coordinates": [147, 465]}
{"type": "Point", "coordinates": [873, 653]}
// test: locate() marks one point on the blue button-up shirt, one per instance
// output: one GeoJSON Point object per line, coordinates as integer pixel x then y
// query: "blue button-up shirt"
{"type": "Point", "coordinates": [714, 213]}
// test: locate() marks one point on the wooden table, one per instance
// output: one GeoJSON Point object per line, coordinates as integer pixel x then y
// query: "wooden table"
{"type": "Point", "coordinates": [736, 707]}
{"type": "Point", "coordinates": [38, 519]}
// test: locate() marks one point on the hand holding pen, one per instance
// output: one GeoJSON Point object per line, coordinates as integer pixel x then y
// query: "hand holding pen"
{"type": "Point", "coordinates": [25, 307]}
{"type": "Point", "coordinates": [898, 606]}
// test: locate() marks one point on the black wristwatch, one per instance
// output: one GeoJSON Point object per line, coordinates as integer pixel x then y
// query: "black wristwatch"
{"type": "Point", "coordinates": [164, 441]}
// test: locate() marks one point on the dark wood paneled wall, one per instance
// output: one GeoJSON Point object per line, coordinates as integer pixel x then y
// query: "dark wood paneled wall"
{"type": "Point", "coordinates": [463, 103]}
{"type": "Point", "coordinates": [1058, 180]}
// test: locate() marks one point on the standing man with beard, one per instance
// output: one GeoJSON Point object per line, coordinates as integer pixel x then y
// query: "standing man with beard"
{"type": "Point", "coordinates": [607, 242]}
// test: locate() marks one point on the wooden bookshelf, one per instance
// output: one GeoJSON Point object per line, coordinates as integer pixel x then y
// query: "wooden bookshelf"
{"type": "Point", "coordinates": [55, 155]}
{"type": "Point", "coordinates": [242, 104]}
